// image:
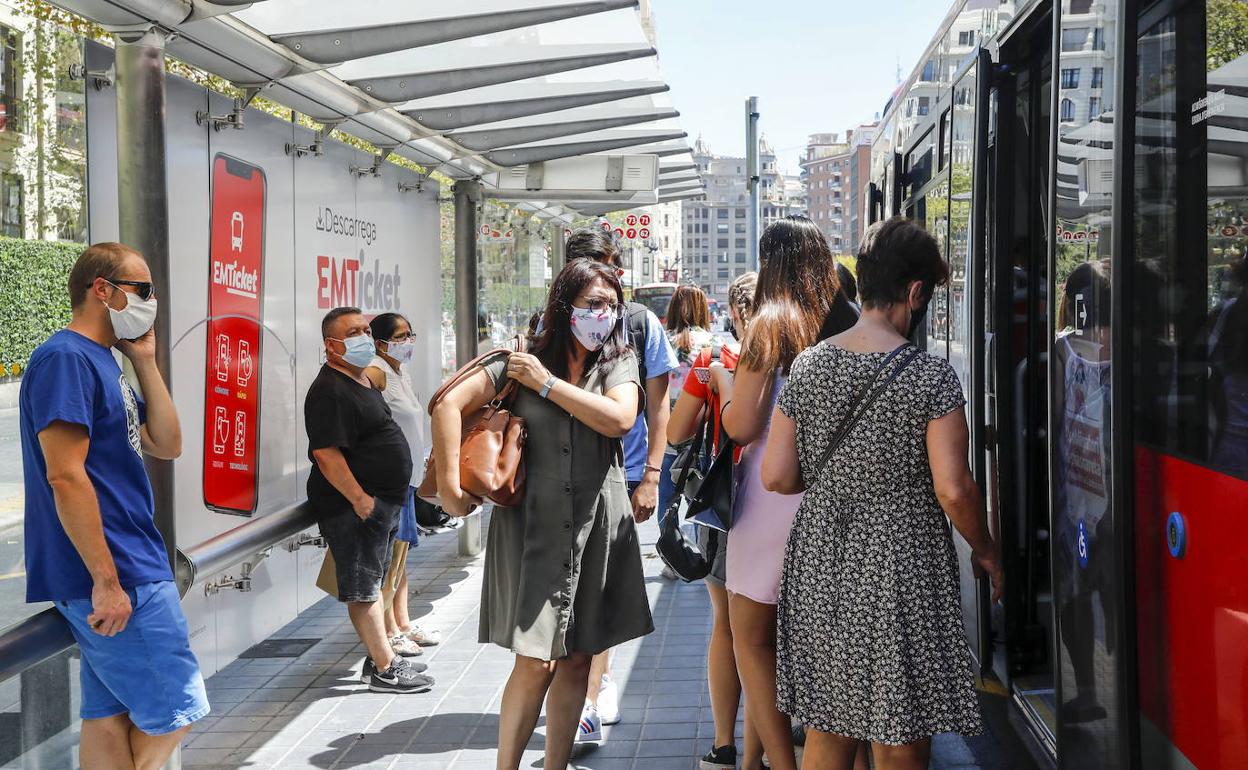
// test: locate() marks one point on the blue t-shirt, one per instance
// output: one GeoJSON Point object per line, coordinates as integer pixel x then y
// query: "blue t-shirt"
{"type": "Point", "coordinates": [76, 380]}
{"type": "Point", "coordinates": [660, 358]}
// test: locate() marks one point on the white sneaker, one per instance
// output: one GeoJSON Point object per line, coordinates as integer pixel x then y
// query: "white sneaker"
{"type": "Point", "coordinates": [405, 647]}
{"type": "Point", "coordinates": [609, 701]}
{"type": "Point", "coordinates": [590, 728]}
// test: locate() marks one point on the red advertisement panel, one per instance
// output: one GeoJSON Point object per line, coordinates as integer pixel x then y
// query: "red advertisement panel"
{"type": "Point", "coordinates": [235, 302]}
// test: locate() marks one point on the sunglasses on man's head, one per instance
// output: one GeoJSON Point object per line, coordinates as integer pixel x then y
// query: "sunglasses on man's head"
{"type": "Point", "coordinates": [145, 289]}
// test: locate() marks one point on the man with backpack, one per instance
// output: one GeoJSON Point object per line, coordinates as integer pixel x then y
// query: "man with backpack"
{"type": "Point", "coordinates": [643, 448]}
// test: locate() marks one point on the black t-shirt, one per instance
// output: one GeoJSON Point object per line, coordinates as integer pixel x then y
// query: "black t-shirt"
{"type": "Point", "coordinates": [340, 412]}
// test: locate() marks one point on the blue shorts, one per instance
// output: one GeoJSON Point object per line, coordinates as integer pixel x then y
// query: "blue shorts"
{"type": "Point", "coordinates": [408, 532]}
{"type": "Point", "coordinates": [148, 670]}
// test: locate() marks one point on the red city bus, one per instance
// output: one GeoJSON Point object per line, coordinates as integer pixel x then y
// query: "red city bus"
{"type": "Point", "coordinates": [1084, 164]}
{"type": "Point", "coordinates": [656, 297]}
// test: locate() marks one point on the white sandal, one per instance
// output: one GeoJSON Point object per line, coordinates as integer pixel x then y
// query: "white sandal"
{"type": "Point", "coordinates": [424, 638]}
{"type": "Point", "coordinates": [405, 647]}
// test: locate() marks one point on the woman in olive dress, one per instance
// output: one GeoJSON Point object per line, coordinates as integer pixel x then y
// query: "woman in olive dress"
{"type": "Point", "coordinates": [563, 575]}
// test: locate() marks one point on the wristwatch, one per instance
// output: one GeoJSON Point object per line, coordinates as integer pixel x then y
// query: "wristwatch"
{"type": "Point", "coordinates": [545, 392]}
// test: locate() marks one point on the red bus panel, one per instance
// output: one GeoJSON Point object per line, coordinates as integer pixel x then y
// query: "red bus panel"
{"type": "Point", "coordinates": [1192, 609]}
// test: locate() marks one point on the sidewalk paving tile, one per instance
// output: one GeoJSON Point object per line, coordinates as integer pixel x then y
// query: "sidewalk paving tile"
{"type": "Point", "coordinates": [312, 712]}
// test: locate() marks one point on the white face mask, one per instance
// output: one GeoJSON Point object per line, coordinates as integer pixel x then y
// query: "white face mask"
{"type": "Point", "coordinates": [401, 351]}
{"type": "Point", "coordinates": [593, 327]}
{"type": "Point", "coordinates": [135, 319]}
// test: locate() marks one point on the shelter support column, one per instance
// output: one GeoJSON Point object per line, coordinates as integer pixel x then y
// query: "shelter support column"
{"type": "Point", "coordinates": [143, 217]}
{"type": "Point", "coordinates": [467, 197]}
{"type": "Point", "coordinates": [558, 248]}
{"type": "Point", "coordinates": [143, 206]}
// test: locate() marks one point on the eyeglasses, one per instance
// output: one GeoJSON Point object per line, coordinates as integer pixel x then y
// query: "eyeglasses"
{"type": "Point", "coordinates": [599, 305]}
{"type": "Point", "coordinates": [146, 290]}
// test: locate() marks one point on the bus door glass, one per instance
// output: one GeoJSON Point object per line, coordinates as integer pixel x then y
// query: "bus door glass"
{"type": "Point", "coordinates": [963, 130]}
{"type": "Point", "coordinates": [1019, 347]}
{"type": "Point", "coordinates": [1085, 559]}
{"type": "Point", "coordinates": [1189, 333]}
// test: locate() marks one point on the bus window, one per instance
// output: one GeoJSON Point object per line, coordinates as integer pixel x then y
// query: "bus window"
{"type": "Point", "coordinates": [1189, 336]}
{"type": "Point", "coordinates": [1191, 269]}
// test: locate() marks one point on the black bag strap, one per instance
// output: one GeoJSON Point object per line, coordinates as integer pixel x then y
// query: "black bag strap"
{"type": "Point", "coordinates": [694, 455]}
{"type": "Point", "coordinates": [638, 332]}
{"type": "Point", "coordinates": [855, 413]}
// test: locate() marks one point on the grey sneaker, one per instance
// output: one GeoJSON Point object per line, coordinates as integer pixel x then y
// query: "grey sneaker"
{"type": "Point", "coordinates": [369, 668]}
{"type": "Point", "coordinates": [400, 678]}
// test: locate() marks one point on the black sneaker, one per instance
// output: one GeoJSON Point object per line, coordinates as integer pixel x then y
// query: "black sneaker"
{"type": "Point", "coordinates": [369, 668]}
{"type": "Point", "coordinates": [720, 758]}
{"type": "Point", "coordinates": [401, 677]}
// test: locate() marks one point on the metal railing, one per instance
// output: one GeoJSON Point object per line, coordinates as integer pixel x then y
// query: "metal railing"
{"type": "Point", "coordinates": [246, 544]}
{"type": "Point", "coordinates": [28, 649]}
{"type": "Point", "coordinates": [42, 636]}
{"type": "Point", "coordinates": [33, 641]}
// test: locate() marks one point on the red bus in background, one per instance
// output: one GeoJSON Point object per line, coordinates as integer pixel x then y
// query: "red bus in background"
{"type": "Point", "coordinates": [656, 297]}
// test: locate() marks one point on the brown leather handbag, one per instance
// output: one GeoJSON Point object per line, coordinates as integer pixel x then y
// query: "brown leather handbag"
{"type": "Point", "coordinates": [491, 445]}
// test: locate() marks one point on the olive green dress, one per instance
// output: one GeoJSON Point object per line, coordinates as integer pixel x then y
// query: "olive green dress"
{"type": "Point", "coordinates": [563, 570]}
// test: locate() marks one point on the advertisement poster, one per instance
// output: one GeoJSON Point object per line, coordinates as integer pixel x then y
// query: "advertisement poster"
{"type": "Point", "coordinates": [235, 292]}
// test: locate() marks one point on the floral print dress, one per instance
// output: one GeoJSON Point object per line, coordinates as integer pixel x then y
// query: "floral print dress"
{"type": "Point", "coordinates": [870, 639]}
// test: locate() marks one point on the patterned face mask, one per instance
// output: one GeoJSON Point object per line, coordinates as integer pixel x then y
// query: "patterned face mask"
{"type": "Point", "coordinates": [593, 327]}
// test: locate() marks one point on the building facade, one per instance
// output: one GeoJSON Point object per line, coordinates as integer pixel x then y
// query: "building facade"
{"type": "Point", "coordinates": [716, 228]}
{"type": "Point", "coordinates": [835, 174]}
{"type": "Point", "coordinates": [781, 194]}
{"type": "Point", "coordinates": [824, 169]}
{"type": "Point", "coordinates": [42, 129]}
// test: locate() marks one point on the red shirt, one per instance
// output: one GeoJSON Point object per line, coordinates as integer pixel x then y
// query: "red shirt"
{"type": "Point", "coordinates": [694, 387]}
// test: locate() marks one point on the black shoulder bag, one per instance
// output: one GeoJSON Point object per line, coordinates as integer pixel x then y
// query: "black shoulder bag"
{"type": "Point", "coordinates": [858, 407]}
{"type": "Point", "coordinates": [710, 501]}
{"type": "Point", "coordinates": [683, 555]}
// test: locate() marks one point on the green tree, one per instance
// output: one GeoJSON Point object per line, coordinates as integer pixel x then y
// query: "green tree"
{"type": "Point", "coordinates": [1226, 32]}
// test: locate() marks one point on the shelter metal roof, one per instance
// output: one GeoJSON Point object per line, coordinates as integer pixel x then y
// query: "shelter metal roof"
{"type": "Point", "coordinates": [469, 88]}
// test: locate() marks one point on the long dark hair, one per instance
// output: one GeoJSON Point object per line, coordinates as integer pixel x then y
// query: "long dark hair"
{"type": "Point", "coordinates": [797, 285]}
{"type": "Point", "coordinates": [553, 345]}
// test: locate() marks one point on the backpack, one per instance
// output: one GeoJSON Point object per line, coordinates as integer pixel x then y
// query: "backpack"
{"type": "Point", "coordinates": [635, 315]}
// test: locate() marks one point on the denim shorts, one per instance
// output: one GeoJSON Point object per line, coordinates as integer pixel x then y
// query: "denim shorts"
{"type": "Point", "coordinates": [361, 549]}
{"type": "Point", "coordinates": [148, 670]}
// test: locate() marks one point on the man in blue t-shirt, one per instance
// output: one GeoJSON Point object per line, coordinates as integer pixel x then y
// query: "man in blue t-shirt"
{"type": "Point", "coordinates": [644, 446]}
{"type": "Point", "coordinates": [91, 542]}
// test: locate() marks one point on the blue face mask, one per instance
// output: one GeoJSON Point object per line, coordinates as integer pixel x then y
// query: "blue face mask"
{"type": "Point", "coordinates": [359, 350]}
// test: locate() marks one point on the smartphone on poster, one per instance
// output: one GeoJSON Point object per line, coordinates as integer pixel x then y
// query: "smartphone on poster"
{"type": "Point", "coordinates": [234, 349]}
